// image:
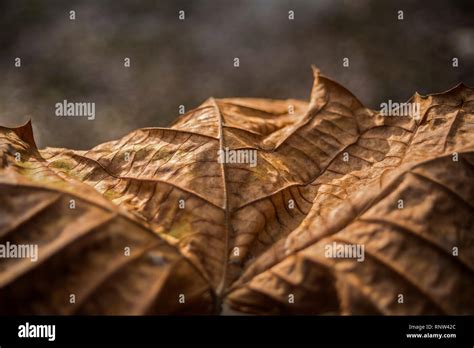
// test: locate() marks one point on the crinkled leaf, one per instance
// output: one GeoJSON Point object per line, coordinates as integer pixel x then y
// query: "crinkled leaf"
{"type": "Point", "coordinates": [227, 233]}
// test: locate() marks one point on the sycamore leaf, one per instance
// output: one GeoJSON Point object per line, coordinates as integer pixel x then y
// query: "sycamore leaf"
{"type": "Point", "coordinates": [406, 194]}
{"type": "Point", "coordinates": [93, 257]}
{"type": "Point", "coordinates": [237, 204]}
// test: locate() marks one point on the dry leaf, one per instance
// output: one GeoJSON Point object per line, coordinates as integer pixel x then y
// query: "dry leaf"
{"type": "Point", "coordinates": [204, 235]}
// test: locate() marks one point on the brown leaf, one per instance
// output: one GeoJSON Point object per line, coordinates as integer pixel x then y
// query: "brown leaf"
{"type": "Point", "coordinates": [408, 251]}
{"type": "Point", "coordinates": [81, 251]}
{"type": "Point", "coordinates": [254, 237]}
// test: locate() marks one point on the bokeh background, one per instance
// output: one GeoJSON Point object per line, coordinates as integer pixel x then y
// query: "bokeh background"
{"type": "Point", "coordinates": [177, 62]}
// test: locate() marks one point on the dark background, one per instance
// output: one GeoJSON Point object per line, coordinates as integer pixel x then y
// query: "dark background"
{"type": "Point", "coordinates": [184, 62]}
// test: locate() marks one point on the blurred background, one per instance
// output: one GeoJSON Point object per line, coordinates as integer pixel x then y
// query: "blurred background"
{"type": "Point", "coordinates": [177, 62]}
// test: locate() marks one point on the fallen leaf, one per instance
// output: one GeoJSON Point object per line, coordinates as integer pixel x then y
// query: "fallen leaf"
{"type": "Point", "coordinates": [253, 235]}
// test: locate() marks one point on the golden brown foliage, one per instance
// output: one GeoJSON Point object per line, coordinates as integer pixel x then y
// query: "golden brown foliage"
{"type": "Point", "coordinates": [251, 238]}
